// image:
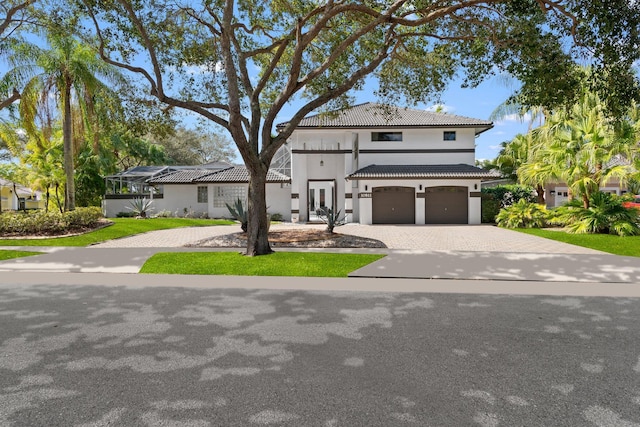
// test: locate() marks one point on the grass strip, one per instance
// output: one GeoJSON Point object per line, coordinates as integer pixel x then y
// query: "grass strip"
{"type": "Point", "coordinates": [276, 264]}
{"type": "Point", "coordinates": [627, 246]}
{"type": "Point", "coordinates": [122, 227]}
{"type": "Point", "coordinates": [9, 254]}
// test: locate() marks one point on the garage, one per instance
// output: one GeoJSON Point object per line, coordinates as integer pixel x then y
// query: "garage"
{"type": "Point", "coordinates": [393, 205]}
{"type": "Point", "coordinates": [446, 205]}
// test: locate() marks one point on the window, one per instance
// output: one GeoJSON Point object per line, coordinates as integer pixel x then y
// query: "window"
{"type": "Point", "coordinates": [449, 136]}
{"type": "Point", "coordinates": [228, 194]}
{"type": "Point", "coordinates": [203, 196]}
{"type": "Point", "coordinates": [386, 136]}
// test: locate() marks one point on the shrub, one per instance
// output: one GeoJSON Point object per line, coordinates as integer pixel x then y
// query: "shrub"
{"type": "Point", "coordinates": [164, 214]}
{"type": "Point", "coordinates": [141, 206]}
{"type": "Point", "coordinates": [238, 212]}
{"type": "Point", "coordinates": [522, 214]}
{"type": "Point", "coordinates": [125, 215]}
{"type": "Point", "coordinates": [331, 218]}
{"type": "Point", "coordinates": [502, 196]}
{"type": "Point", "coordinates": [48, 223]}
{"type": "Point", "coordinates": [277, 217]}
{"type": "Point", "coordinates": [489, 208]}
{"type": "Point", "coordinates": [605, 215]}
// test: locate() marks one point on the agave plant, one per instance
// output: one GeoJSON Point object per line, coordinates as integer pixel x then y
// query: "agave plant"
{"type": "Point", "coordinates": [605, 214]}
{"type": "Point", "coordinates": [331, 218]}
{"type": "Point", "coordinates": [522, 214]}
{"type": "Point", "coordinates": [141, 206]}
{"type": "Point", "coordinates": [239, 213]}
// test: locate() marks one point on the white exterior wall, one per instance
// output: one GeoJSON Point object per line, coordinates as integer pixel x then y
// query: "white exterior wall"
{"type": "Point", "coordinates": [335, 149]}
{"type": "Point", "coordinates": [177, 197]}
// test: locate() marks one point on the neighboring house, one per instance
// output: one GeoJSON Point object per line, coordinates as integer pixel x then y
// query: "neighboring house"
{"type": "Point", "coordinates": [387, 165]}
{"type": "Point", "coordinates": [191, 190]}
{"type": "Point", "coordinates": [15, 197]}
{"type": "Point", "coordinates": [376, 164]}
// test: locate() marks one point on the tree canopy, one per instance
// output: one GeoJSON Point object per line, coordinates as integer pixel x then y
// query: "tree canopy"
{"type": "Point", "coordinates": [239, 63]}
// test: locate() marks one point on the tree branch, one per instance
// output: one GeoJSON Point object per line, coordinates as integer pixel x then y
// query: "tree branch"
{"type": "Point", "coordinates": [10, 100]}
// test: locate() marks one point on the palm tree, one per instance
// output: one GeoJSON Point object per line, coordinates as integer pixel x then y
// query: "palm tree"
{"type": "Point", "coordinates": [70, 73]}
{"type": "Point", "coordinates": [580, 147]}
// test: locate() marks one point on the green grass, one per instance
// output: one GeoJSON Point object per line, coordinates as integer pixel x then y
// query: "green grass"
{"type": "Point", "coordinates": [7, 254]}
{"type": "Point", "coordinates": [628, 246]}
{"type": "Point", "coordinates": [122, 227]}
{"type": "Point", "coordinates": [277, 264]}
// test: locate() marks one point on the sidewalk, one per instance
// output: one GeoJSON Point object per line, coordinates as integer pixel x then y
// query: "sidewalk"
{"type": "Point", "coordinates": [491, 254]}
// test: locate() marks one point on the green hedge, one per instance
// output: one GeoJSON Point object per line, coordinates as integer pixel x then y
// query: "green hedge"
{"type": "Point", "coordinates": [48, 223]}
{"type": "Point", "coordinates": [502, 196]}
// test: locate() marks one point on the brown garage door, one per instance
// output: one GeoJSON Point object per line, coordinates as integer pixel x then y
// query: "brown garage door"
{"type": "Point", "coordinates": [446, 205]}
{"type": "Point", "coordinates": [394, 205]}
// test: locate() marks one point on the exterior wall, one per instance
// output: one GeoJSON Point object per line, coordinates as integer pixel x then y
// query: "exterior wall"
{"type": "Point", "coordinates": [12, 203]}
{"type": "Point", "coordinates": [178, 197]}
{"type": "Point", "coordinates": [318, 167]}
{"type": "Point", "coordinates": [366, 187]}
{"type": "Point", "coordinates": [330, 154]}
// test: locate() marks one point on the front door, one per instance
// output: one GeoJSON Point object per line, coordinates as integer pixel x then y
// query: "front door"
{"type": "Point", "coordinates": [320, 196]}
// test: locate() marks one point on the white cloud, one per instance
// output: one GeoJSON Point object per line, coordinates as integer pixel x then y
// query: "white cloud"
{"type": "Point", "coordinates": [495, 147]}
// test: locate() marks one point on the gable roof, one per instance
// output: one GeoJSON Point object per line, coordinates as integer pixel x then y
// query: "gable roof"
{"type": "Point", "coordinates": [233, 174]}
{"type": "Point", "coordinates": [373, 115]}
{"type": "Point", "coordinates": [422, 171]}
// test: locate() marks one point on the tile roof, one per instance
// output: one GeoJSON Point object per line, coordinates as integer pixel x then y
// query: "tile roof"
{"type": "Point", "coordinates": [240, 174]}
{"type": "Point", "coordinates": [181, 177]}
{"type": "Point", "coordinates": [229, 175]}
{"type": "Point", "coordinates": [422, 171]}
{"type": "Point", "coordinates": [372, 115]}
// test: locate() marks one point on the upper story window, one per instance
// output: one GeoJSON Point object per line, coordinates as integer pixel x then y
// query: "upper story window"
{"type": "Point", "coordinates": [386, 136]}
{"type": "Point", "coordinates": [449, 135]}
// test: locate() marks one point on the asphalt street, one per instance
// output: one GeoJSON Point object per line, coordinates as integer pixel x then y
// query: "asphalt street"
{"type": "Point", "coordinates": [74, 355]}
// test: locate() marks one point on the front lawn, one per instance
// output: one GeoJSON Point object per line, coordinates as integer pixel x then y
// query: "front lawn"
{"type": "Point", "coordinates": [276, 264]}
{"type": "Point", "coordinates": [628, 246]}
{"type": "Point", "coordinates": [7, 254]}
{"type": "Point", "coordinates": [122, 227]}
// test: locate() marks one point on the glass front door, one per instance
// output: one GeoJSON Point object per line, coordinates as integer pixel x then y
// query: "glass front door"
{"type": "Point", "coordinates": [320, 197]}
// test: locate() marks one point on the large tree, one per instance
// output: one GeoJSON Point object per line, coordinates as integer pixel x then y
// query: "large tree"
{"type": "Point", "coordinates": [14, 14]}
{"type": "Point", "coordinates": [240, 63]}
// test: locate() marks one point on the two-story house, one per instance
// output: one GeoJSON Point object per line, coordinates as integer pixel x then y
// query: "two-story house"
{"type": "Point", "coordinates": [387, 165]}
{"type": "Point", "coordinates": [376, 164]}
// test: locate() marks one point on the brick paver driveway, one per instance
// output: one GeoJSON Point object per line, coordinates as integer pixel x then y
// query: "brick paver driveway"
{"type": "Point", "coordinates": [468, 238]}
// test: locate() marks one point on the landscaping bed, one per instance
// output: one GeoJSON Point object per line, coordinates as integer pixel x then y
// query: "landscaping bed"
{"type": "Point", "coordinates": [303, 238]}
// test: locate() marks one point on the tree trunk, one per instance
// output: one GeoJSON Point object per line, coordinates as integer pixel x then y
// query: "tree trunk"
{"type": "Point", "coordinates": [540, 191]}
{"type": "Point", "coordinates": [69, 191]}
{"type": "Point", "coordinates": [257, 230]}
{"type": "Point", "coordinates": [585, 200]}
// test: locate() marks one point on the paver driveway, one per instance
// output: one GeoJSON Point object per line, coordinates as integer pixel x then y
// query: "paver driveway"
{"type": "Point", "coordinates": [474, 238]}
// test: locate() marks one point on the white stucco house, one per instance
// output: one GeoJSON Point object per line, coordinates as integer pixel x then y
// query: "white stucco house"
{"type": "Point", "coordinates": [376, 164]}
{"type": "Point", "coordinates": [197, 191]}
{"type": "Point", "coordinates": [387, 165]}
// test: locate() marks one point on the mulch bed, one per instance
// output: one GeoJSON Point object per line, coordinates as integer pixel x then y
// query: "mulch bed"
{"type": "Point", "coordinates": [296, 239]}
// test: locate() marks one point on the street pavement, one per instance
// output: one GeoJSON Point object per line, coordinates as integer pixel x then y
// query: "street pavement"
{"type": "Point", "coordinates": [76, 355]}
{"type": "Point", "coordinates": [470, 335]}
